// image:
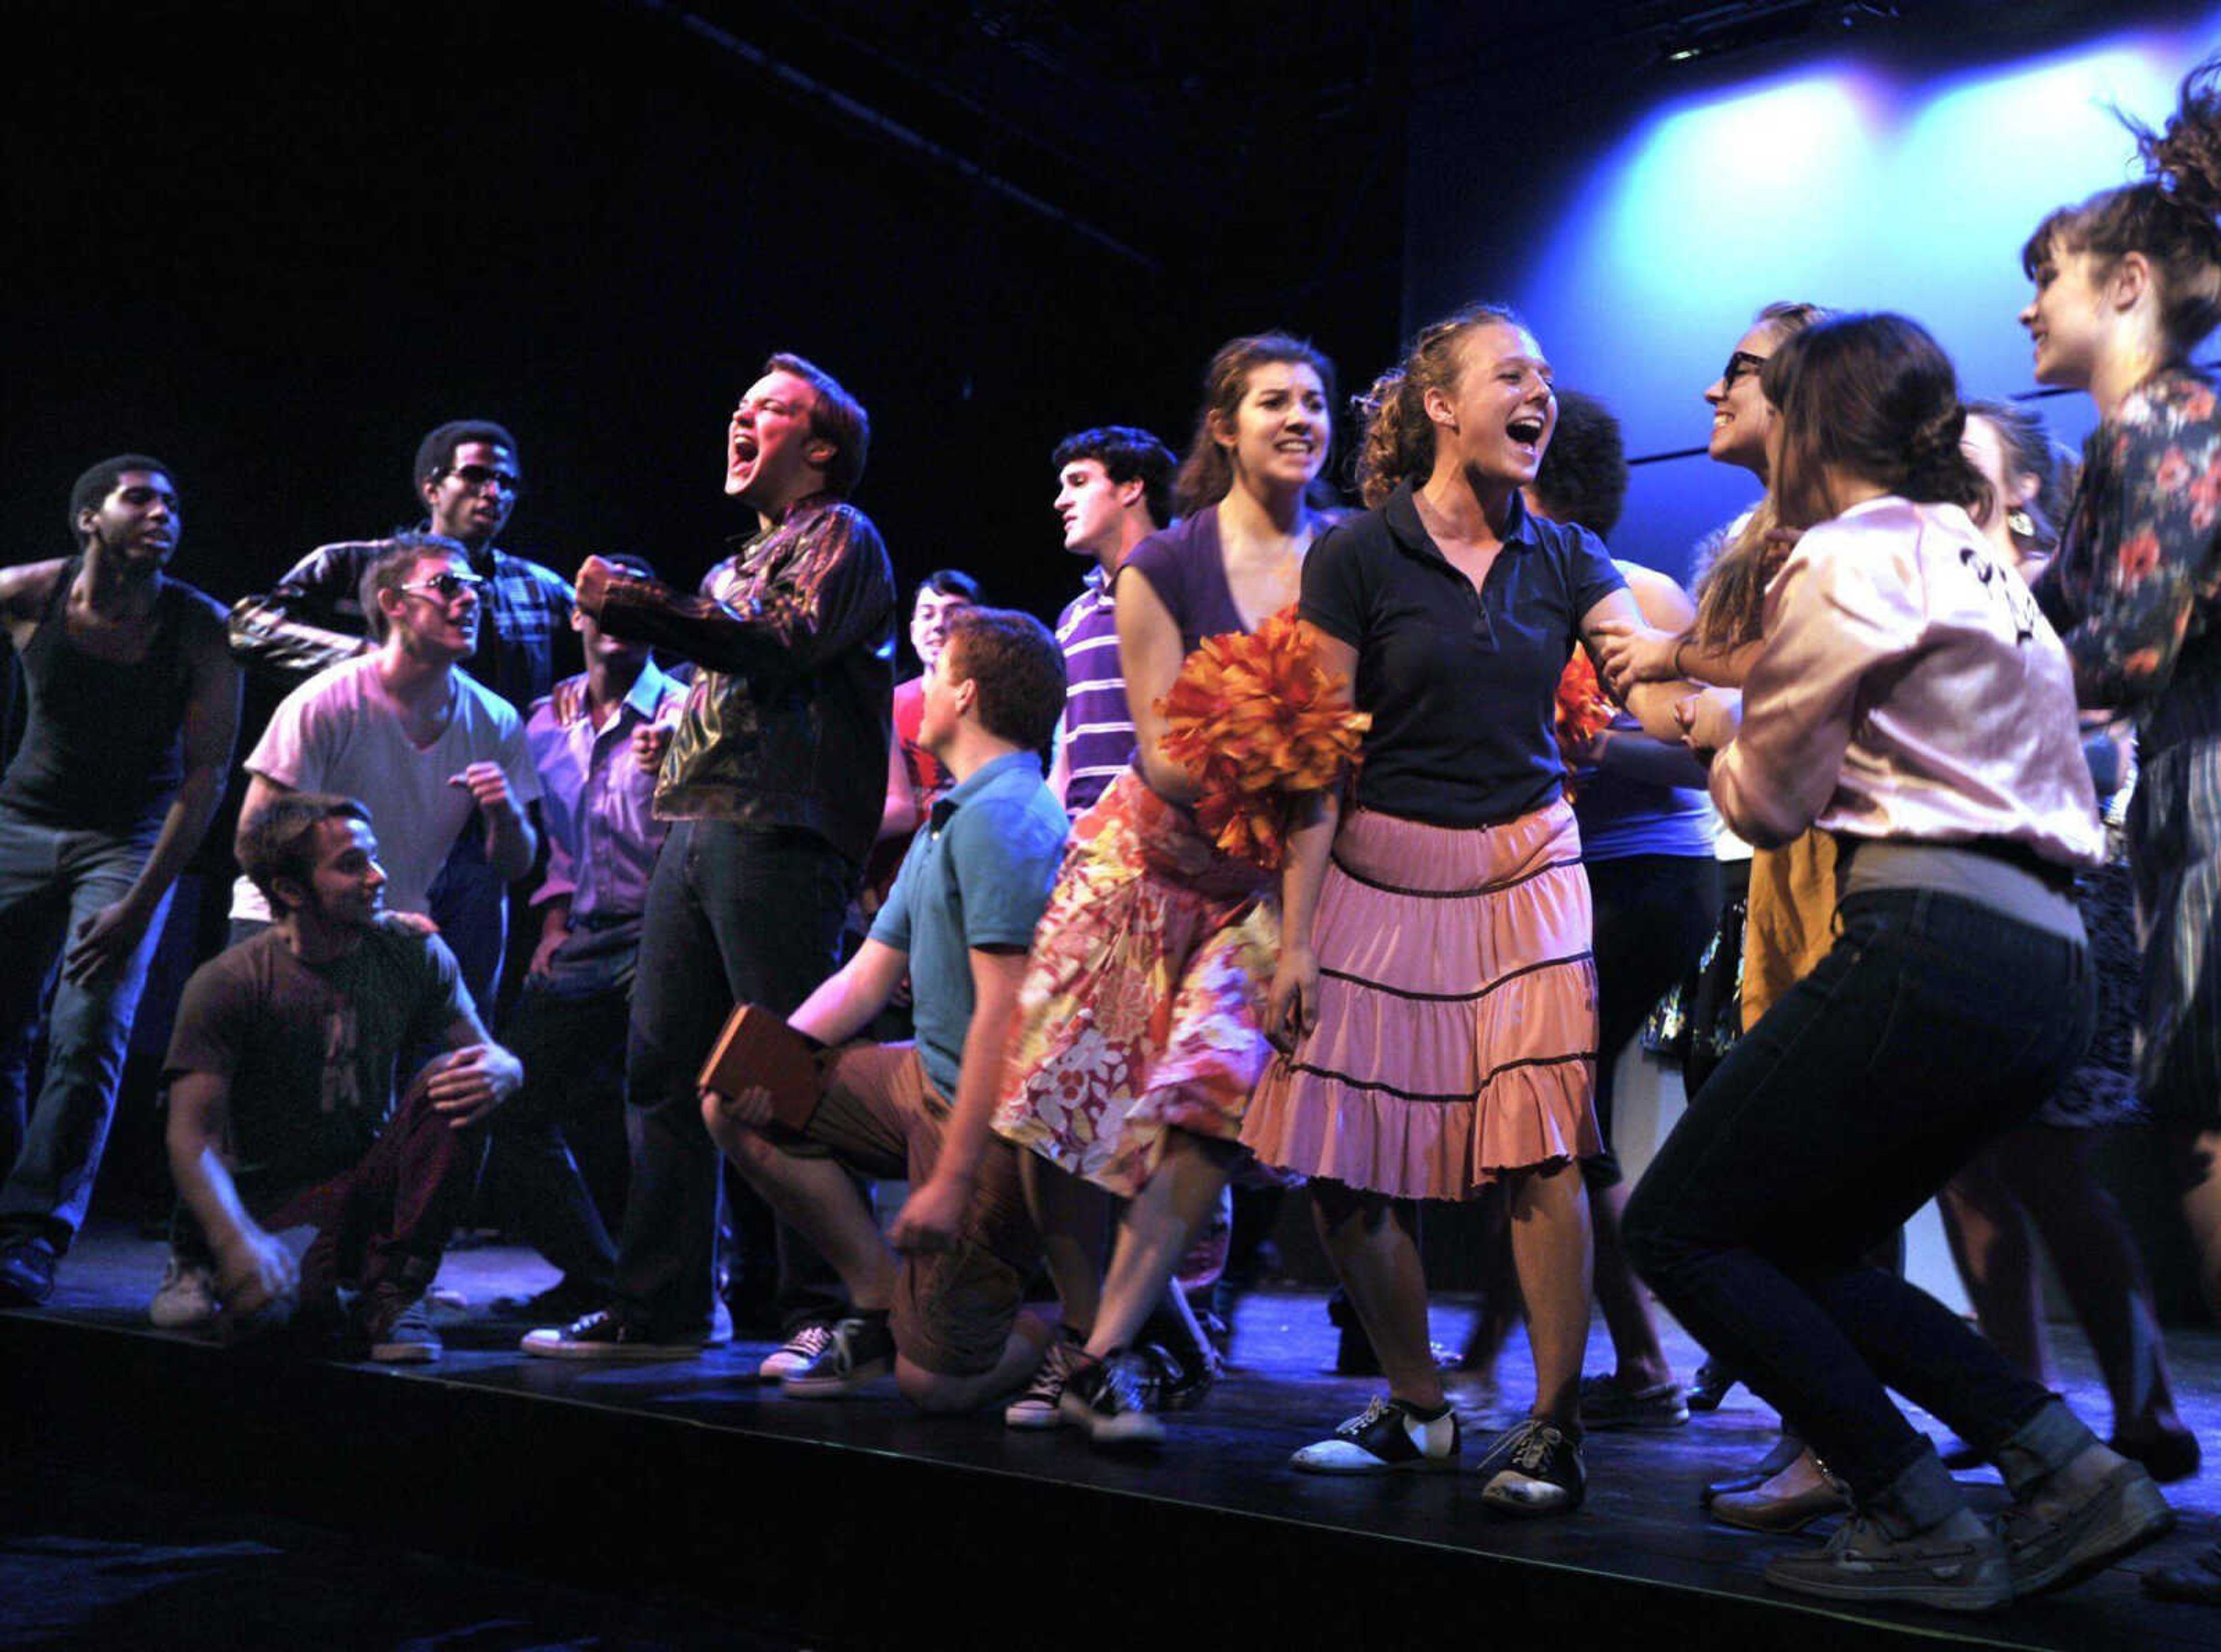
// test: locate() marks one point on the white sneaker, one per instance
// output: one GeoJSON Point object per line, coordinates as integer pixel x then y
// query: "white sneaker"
{"type": "Point", "coordinates": [185, 1299]}
{"type": "Point", "coordinates": [796, 1354]}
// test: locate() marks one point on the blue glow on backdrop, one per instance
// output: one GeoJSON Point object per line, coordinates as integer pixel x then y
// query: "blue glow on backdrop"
{"type": "Point", "coordinates": [1841, 181]}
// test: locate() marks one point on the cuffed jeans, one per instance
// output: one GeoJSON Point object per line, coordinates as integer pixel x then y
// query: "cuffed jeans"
{"type": "Point", "coordinates": [734, 914]}
{"type": "Point", "coordinates": [1935, 1024]}
{"type": "Point", "coordinates": [53, 880]}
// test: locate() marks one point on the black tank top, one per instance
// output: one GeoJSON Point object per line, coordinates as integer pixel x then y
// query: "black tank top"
{"type": "Point", "coordinates": [104, 747]}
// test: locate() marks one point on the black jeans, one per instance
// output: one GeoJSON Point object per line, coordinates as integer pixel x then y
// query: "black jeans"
{"type": "Point", "coordinates": [1654, 914]}
{"type": "Point", "coordinates": [734, 914]}
{"type": "Point", "coordinates": [569, 1029]}
{"type": "Point", "coordinates": [1933, 1024]}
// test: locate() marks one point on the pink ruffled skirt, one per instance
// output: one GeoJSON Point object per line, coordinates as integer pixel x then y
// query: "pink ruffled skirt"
{"type": "Point", "coordinates": [1457, 1014]}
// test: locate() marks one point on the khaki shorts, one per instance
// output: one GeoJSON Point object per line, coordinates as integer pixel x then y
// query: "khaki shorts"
{"type": "Point", "coordinates": [882, 1118]}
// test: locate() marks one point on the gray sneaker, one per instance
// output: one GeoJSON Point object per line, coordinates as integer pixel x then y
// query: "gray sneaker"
{"type": "Point", "coordinates": [1039, 1404]}
{"type": "Point", "coordinates": [396, 1329]}
{"type": "Point", "coordinates": [1959, 1566]}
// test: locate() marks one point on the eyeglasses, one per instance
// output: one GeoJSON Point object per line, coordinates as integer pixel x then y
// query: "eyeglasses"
{"type": "Point", "coordinates": [445, 587]}
{"type": "Point", "coordinates": [1741, 362]}
{"type": "Point", "coordinates": [478, 477]}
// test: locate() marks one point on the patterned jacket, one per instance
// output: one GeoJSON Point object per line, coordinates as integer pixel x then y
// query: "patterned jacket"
{"type": "Point", "coordinates": [787, 722]}
{"type": "Point", "coordinates": [2135, 591]}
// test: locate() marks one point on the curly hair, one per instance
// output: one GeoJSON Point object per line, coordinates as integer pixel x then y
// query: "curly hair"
{"type": "Point", "coordinates": [2172, 217]}
{"type": "Point", "coordinates": [1583, 476]}
{"type": "Point", "coordinates": [1398, 441]}
{"type": "Point", "coordinates": [1206, 475]}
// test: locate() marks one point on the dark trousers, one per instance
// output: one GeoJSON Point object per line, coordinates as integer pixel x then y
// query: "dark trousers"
{"type": "Point", "coordinates": [386, 1220]}
{"type": "Point", "coordinates": [1933, 1024]}
{"type": "Point", "coordinates": [734, 914]}
{"type": "Point", "coordinates": [569, 1030]}
{"type": "Point", "coordinates": [1654, 914]}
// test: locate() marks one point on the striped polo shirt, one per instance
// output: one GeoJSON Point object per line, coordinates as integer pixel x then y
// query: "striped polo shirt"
{"type": "Point", "coordinates": [1097, 730]}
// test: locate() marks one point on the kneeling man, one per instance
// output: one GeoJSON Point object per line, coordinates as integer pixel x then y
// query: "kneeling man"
{"type": "Point", "coordinates": [281, 1070]}
{"type": "Point", "coordinates": [944, 1315]}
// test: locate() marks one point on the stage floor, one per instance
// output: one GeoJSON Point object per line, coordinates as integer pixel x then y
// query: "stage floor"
{"type": "Point", "coordinates": [1641, 1533]}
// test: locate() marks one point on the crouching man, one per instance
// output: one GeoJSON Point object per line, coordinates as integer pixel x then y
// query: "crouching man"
{"type": "Point", "coordinates": [944, 1314]}
{"type": "Point", "coordinates": [282, 1116]}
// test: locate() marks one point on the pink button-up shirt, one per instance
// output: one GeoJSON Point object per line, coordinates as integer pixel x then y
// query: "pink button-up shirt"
{"type": "Point", "coordinates": [1909, 688]}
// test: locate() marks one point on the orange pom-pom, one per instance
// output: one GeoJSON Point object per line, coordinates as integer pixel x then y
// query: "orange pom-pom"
{"type": "Point", "coordinates": [1583, 712]}
{"type": "Point", "coordinates": [1258, 721]}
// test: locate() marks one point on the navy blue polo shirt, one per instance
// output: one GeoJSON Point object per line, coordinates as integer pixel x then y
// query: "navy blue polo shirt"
{"type": "Point", "coordinates": [1462, 685]}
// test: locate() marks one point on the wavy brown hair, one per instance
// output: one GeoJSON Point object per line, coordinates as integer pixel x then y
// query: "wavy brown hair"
{"type": "Point", "coordinates": [1207, 474]}
{"type": "Point", "coordinates": [2170, 218]}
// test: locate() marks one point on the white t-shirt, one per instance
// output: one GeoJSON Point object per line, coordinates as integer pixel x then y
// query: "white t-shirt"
{"type": "Point", "coordinates": [342, 732]}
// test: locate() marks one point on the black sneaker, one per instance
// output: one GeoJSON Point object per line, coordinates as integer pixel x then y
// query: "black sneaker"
{"type": "Point", "coordinates": [1387, 1436]}
{"type": "Point", "coordinates": [1185, 1364]}
{"type": "Point", "coordinates": [1532, 1470]}
{"type": "Point", "coordinates": [558, 1304]}
{"type": "Point", "coordinates": [396, 1328]}
{"type": "Point", "coordinates": [857, 1351]}
{"type": "Point", "coordinates": [609, 1334]}
{"type": "Point", "coordinates": [1039, 1404]}
{"type": "Point", "coordinates": [1109, 1399]}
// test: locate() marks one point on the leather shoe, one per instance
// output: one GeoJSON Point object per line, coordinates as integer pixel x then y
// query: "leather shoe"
{"type": "Point", "coordinates": [1790, 1501]}
{"type": "Point", "coordinates": [1784, 1452]}
{"type": "Point", "coordinates": [27, 1274]}
{"type": "Point", "coordinates": [2167, 1456]}
{"type": "Point", "coordinates": [1712, 1383]}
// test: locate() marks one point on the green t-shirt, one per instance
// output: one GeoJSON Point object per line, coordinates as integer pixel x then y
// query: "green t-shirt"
{"type": "Point", "coordinates": [310, 1049]}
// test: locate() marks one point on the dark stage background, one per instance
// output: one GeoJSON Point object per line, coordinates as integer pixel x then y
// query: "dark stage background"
{"type": "Point", "coordinates": [273, 244]}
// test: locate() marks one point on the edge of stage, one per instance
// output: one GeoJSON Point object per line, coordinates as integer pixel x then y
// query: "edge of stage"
{"type": "Point", "coordinates": [846, 1521]}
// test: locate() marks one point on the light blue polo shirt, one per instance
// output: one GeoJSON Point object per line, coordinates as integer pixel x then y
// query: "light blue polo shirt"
{"type": "Point", "coordinates": [979, 875]}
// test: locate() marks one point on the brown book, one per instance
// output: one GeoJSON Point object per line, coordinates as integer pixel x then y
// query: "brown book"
{"type": "Point", "coordinates": [759, 1047]}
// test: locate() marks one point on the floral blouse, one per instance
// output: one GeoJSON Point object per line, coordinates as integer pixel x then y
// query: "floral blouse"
{"type": "Point", "coordinates": [2135, 590]}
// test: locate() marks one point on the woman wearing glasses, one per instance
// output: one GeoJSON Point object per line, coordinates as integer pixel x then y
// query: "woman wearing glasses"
{"type": "Point", "coordinates": [1908, 698]}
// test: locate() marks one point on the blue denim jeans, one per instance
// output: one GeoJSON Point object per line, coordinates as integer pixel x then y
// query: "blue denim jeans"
{"type": "Point", "coordinates": [53, 880]}
{"type": "Point", "coordinates": [1933, 1024]}
{"type": "Point", "coordinates": [734, 914]}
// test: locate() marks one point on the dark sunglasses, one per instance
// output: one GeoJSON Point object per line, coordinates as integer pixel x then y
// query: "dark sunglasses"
{"type": "Point", "coordinates": [1741, 362]}
{"type": "Point", "coordinates": [446, 587]}
{"type": "Point", "coordinates": [478, 478]}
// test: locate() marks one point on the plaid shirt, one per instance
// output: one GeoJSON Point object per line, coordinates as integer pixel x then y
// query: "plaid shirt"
{"type": "Point", "coordinates": [314, 618]}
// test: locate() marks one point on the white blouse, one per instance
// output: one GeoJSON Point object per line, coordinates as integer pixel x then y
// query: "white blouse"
{"type": "Point", "coordinates": [1909, 688]}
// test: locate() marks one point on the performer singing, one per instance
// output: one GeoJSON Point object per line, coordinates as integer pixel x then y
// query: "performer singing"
{"type": "Point", "coordinates": [1435, 995]}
